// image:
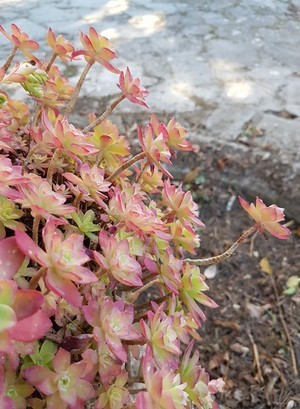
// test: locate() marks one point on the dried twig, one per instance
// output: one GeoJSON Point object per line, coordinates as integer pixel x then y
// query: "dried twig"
{"type": "Point", "coordinates": [275, 368]}
{"type": "Point", "coordinates": [105, 114]}
{"type": "Point", "coordinates": [285, 328]}
{"type": "Point", "coordinates": [256, 357]}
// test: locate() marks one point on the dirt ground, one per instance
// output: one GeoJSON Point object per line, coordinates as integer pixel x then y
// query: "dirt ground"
{"type": "Point", "coordinates": [253, 339]}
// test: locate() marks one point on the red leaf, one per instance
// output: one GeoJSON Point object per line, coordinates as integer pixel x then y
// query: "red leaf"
{"type": "Point", "coordinates": [31, 328]}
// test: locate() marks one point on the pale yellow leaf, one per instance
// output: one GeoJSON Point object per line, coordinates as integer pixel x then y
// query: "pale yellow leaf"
{"type": "Point", "coordinates": [265, 266]}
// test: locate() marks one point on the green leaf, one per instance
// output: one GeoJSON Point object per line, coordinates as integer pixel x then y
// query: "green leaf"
{"type": "Point", "coordinates": [290, 291]}
{"type": "Point", "coordinates": [292, 285]}
{"type": "Point", "coordinates": [7, 317]}
{"type": "Point", "coordinates": [85, 224]}
{"type": "Point", "coordinates": [7, 292]}
{"type": "Point", "coordinates": [3, 99]}
{"type": "Point", "coordinates": [136, 246]}
{"type": "Point", "coordinates": [43, 355]}
{"type": "Point", "coordinates": [47, 351]}
{"type": "Point", "coordinates": [47, 348]}
{"type": "Point", "coordinates": [34, 89]}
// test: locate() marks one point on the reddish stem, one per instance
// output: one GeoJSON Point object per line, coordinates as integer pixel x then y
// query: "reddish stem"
{"type": "Point", "coordinates": [10, 58]}
{"type": "Point", "coordinates": [105, 114]}
{"type": "Point", "coordinates": [35, 279]}
{"type": "Point", "coordinates": [51, 61]}
{"type": "Point", "coordinates": [126, 165]}
{"type": "Point", "coordinates": [79, 84]}
{"type": "Point", "coordinates": [228, 253]}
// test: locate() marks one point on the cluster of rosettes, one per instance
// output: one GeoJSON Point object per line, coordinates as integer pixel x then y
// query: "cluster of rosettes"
{"type": "Point", "coordinates": [85, 229]}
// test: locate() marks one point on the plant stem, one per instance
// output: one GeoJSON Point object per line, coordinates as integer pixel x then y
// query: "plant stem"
{"type": "Point", "coordinates": [134, 295]}
{"type": "Point", "coordinates": [105, 114]}
{"type": "Point", "coordinates": [135, 391]}
{"type": "Point", "coordinates": [38, 104]}
{"type": "Point", "coordinates": [77, 200]}
{"type": "Point", "coordinates": [134, 379]}
{"type": "Point", "coordinates": [10, 58]}
{"type": "Point", "coordinates": [126, 165]}
{"type": "Point", "coordinates": [35, 228]}
{"type": "Point", "coordinates": [79, 84]}
{"type": "Point", "coordinates": [35, 279]}
{"type": "Point", "coordinates": [167, 215]}
{"type": "Point", "coordinates": [99, 158]}
{"type": "Point", "coordinates": [144, 167]}
{"type": "Point", "coordinates": [147, 305]}
{"type": "Point", "coordinates": [31, 151]}
{"type": "Point", "coordinates": [51, 61]}
{"type": "Point", "coordinates": [140, 341]}
{"type": "Point", "coordinates": [37, 114]}
{"type": "Point", "coordinates": [228, 253]}
{"type": "Point", "coordinates": [51, 168]}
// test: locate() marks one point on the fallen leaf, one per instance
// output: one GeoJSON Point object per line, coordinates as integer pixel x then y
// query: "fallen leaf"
{"type": "Point", "coordinates": [240, 349]}
{"type": "Point", "coordinates": [282, 114]}
{"type": "Point", "coordinates": [256, 311]}
{"type": "Point", "coordinates": [292, 284]}
{"type": "Point", "coordinates": [249, 378]}
{"type": "Point", "coordinates": [265, 266]}
{"type": "Point", "coordinates": [211, 271]}
{"type": "Point", "coordinates": [217, 360]}
{"type": "Point", "coordinates": [222, 162]}
{"type": "Point", "coordinates": [229, 384]}
{"type": "Point", "coordinates": [214, 362]}
{"type": "Point", "coordinates": [191, 175]}
{"type": "Point", "coordinates": [227, 324]}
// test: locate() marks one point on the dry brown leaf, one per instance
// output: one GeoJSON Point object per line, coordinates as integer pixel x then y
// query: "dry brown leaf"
{"type": "Point", "coordinates": [249, 378]}
{"type": "Point", "coordinates": [240, 349]}
{"type": "Point", "coordinates": [217, 360]}
{"type": "Point", "coordinates": [214, 362]}
{"type": "Point", "coordinates": [229, 384]}
{"type": "Point", "coordinates": [191, 175]}
{"type": "Point", "coordinates": [227, 324]}
{"type": "Point", "coordinates": [222, 162]}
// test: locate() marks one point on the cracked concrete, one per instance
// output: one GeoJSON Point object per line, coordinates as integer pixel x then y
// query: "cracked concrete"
{"type": "Point", "coordinates": [228, 62]}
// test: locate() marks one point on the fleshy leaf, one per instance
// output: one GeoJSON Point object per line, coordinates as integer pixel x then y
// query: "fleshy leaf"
{"type": "Point", "coordinates": [31, 328]}
{"type": "Point", "coordinates": [11, 258]}
{"type": "Point", "coordinates": [26, 303]}
{"type": "Point", "coordinates": [7, 317]}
